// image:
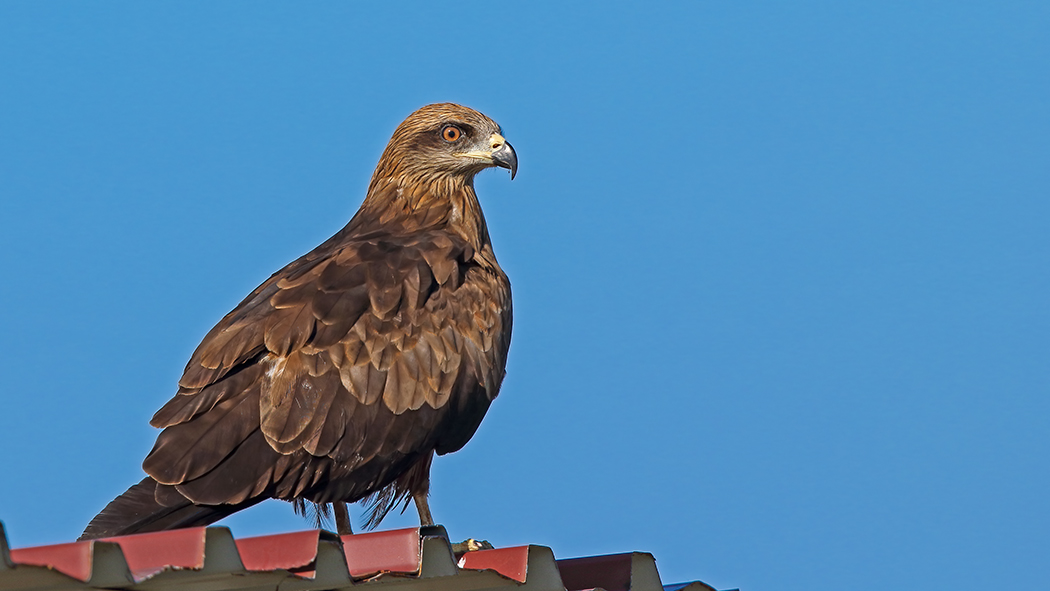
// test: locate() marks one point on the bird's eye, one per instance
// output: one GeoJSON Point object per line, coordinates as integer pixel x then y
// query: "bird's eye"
{"type": "Point", "coordinates": [451, 133]}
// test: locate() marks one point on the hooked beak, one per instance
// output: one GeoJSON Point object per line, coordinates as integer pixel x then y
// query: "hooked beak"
{"type": "Point", "coordinates": [499, 153]}
{"type": "Point", "coordinates": [504, 156]}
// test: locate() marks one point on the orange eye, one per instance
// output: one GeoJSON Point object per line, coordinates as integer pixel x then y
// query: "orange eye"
{"type": "Point", "coordinates": [451, 133]}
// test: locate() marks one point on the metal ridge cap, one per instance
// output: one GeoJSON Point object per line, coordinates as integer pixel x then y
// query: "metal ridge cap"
{"type": "Point", "coordinates": [209, 558]}
{"type": "Point", "coordinates": [5, 549]}
{"type": "Point", "coordinates": [293, 551]}
{"type": "Point", "coordinates": [512, 562]}
{"type": "Point", "coordinates": [629, 571]}
{"type": "Point", "coordinates": [208, 550]}
{"type": "Point", "coordinates": [376, 553]}
{"type": "Point", "coordinates": [304, 561]}
{"type": "Point", "coordinates": [531, 567]}
{"type": "Point", "coordinates": [96, 563]}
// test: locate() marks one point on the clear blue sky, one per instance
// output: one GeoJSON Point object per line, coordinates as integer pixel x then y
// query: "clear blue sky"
{"type": "Point", "coordinates": [781, 270]}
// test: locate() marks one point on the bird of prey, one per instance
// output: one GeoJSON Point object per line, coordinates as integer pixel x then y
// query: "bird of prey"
{"type": "Point", "coordinates": [340, 377]}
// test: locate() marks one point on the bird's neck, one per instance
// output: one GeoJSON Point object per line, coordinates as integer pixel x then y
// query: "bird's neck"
{"type": "Point", "coordinates": [410, 205]}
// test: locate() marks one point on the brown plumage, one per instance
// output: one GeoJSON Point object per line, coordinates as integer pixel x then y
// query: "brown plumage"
{"type": "Point", "coordinates": [343, 374]}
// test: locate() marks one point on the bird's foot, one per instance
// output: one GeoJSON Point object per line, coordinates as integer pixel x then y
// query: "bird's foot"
{"type": "Point", "coordinates": [471, 545]}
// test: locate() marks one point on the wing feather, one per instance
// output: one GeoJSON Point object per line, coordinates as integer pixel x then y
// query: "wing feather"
{"type": "Point", "coordinates": [247, 472]}
{"type": "Point", "coordinates": [188, 404]}
{"type": "Point", "coordinates": [189, 450]}
{"type": "Point", "coordinates": [336, 374]}
{"type": "Point", "coordinates": [288, 329]}
{"type": "Point", "coordinates": [332, 426]}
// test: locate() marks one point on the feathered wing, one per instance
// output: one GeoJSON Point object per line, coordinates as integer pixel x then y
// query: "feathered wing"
{"type": "Point", "coordinates": [150, 506]}
{"type": "Point", "coordinates": [337, 378]}
{"type": "Point", "coordinates": [345, 372]}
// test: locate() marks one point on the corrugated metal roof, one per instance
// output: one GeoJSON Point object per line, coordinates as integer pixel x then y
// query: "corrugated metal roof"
{"type": "Point", "coordinates": [415, 559]}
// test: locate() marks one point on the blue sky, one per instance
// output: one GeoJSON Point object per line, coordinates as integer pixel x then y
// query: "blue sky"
{"type": "Point", "coordinates": [781, 270]}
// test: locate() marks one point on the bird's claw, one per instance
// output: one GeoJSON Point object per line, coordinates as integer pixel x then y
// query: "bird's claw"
{"type": "Point", "coordinates": [471, 545]}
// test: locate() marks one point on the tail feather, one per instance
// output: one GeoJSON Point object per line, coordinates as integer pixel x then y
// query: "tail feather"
{"type": "Point", "coordinates": [138, 511]}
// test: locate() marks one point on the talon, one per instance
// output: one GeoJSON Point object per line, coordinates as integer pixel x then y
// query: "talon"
{"type": "Point", "coordinates": [471, 545]}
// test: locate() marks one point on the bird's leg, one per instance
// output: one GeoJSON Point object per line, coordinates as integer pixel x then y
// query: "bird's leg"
{"type": "Point", "coordinates": [417, 480]}
{"type": "Point", "coordinates": [425, 519]}
{"type": "Point", "coordinates": [420, 499]}
{"type": "Point", "coordinates": [342, 518]}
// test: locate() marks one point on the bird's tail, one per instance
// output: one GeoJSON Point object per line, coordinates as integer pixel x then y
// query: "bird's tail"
{"type": "Point", "coordinates": [151, 506]}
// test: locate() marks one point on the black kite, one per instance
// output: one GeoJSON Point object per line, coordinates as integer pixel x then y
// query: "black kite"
{"type": "Point", "coordinates": [341, 376]}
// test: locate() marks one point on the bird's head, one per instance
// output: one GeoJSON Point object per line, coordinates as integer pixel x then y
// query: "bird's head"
{"type": "Point", "coordinates": [445, 142]}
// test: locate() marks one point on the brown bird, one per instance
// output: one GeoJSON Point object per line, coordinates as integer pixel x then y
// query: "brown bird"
{"type": "Point", "coordinates": [341, 376]}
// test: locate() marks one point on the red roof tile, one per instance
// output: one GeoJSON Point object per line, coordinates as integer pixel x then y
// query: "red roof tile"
{"type": "Point", "coordinates": [209, 559]}
{"type": "Point", "coordinates": [294, 552]}
{"type": "Point", "coordinates": [394, 551]}
{"type": "Point", "coordinates": [509, 562]}
{"type": "Point", "coordinates": [72, 559]}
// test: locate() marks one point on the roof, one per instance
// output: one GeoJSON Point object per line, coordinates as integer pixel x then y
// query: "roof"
{"type": "Point", "coordinates": [415, 559]}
